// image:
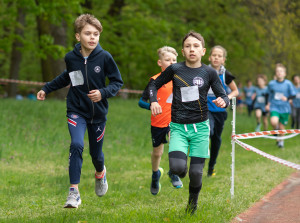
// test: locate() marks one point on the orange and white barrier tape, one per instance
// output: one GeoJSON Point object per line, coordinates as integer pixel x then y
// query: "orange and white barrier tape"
{"type": "Point", "coordinates": [2, 80]}
{"type": "Point", "coordinates": [265, 133]}
{"type": "Point", "coordinates": [268, 156]}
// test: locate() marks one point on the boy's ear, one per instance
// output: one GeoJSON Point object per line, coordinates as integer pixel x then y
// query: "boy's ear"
{"type": "Point", "coordinates": [182, 53]}
{"type": "Point", "coordinates": [204, 51]}
{"type": "Point", "coordinates": [77, 36]}
{"type": "Point", "coordinates": [159, 63]}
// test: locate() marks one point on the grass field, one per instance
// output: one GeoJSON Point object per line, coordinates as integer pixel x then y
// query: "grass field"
{"type": "Point", "coordinates": [34, 144]}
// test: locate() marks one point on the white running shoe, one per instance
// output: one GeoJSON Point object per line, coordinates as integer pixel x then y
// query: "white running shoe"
{"type": "Point", "coordinates": [101, 185]}
{"type": "Point", "coordinates": [73, 199]}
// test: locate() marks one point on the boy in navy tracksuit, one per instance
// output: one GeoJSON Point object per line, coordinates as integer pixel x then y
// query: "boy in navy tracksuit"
{"type": "Point", "coordinates": [88, 65]}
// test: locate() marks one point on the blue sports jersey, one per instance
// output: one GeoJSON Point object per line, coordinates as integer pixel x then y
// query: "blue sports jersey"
{"type": "Point", "coordinates": [248, 94]}
{"type": "Point", "coordinates": [296, 101]}
{"type": "Point", "coordinates": [261, 98]}
{"type": "Point", "coordinates": [278, 89]}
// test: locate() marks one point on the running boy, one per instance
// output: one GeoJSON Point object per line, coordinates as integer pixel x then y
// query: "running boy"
{"type": "Point", "coordinates": [189, 112]}
{"type": "Point", "coordinates": [280, 91]}
{"type": "Point", "coordinates": [160, 123]}
{"type": "Point", "coordinates": [217, 116]}
{"type": "Point", "coordinates": [296, 103]}
{"type": "Point", "coordinates": [260, 101]}
{"type": "Point", "coordinates": [88, 65]}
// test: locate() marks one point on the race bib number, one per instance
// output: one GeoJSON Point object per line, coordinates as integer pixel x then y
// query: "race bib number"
{"type": "Point", "coordinates": [278, 95]}
{"type": "Point", "coordinates": [189, 93]}
{"type": "Point", "coordinates": [170, 99]}
{"type": "Point", "coordinates": [298, 95]}
{"type": "Point", "coordinates": [76, 78]}
{"type": "Point", "coordinates": [261, 99]}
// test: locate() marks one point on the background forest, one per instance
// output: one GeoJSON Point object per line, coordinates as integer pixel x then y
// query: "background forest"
{"type": "Point", "coordinates": [36, 34]}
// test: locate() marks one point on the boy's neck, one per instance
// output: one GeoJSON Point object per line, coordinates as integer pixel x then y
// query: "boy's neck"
{"type": "Point", "coordinates": [216, 68]}
{"type": "Point", "coordinates": [193, 65]}
{"type": "Point", "coordinates": [85, 53]}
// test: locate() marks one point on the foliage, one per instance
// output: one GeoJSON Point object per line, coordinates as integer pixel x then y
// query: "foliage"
{"type": "Point", "coordinates": [256, 33]}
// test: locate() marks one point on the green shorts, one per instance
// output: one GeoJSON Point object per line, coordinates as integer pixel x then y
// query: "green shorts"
{"type": "Point", "coordinates": [283, 117]}
{"type": "Point", "coordinates": [192, 138]}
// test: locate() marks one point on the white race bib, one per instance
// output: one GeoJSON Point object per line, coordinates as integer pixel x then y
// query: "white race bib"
{"type": "Point", "coordinates": [298, 95]}
{"type": "Point", "coordinates": [261, 99]}
{"type": "Point", "coordinates": [189, 93]}
{"type": "Point", "coordinates": [278, 95]}
{"type": "Point", "coordinates": [76, 78]}
{"type": "Point", "coordinates": [170, 99]}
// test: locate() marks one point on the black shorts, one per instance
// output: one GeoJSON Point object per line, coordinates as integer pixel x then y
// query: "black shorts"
{"type": "Point", "coordinates": [159, 135]}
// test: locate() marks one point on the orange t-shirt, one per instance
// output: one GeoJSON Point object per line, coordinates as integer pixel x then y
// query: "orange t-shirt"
{"type": "Point", "coordinates": [164, 98]}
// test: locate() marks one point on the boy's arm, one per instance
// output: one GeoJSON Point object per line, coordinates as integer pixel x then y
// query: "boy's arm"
{"type": "Point", "coordinates": [62, 80]}
{"type": "Point", "coordinates": [143, 102]}
{"type": "Point", "coordinates": [217, 87]}
{"type": "Point", "coordinates": [115, 80]}
{"type": "Point", "coordinates": [163, 78]}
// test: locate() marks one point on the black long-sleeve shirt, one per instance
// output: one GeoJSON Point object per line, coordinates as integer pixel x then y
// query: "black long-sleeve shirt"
{"type": "Point", "coordinates": [186, 109]}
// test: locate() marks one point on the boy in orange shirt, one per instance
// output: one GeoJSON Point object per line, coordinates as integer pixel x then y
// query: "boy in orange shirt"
{"type": "Point", "coordinates": [160, 123]}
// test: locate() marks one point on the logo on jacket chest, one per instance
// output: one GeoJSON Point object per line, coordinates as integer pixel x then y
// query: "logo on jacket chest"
{"type": "Point", "coordinates": [97, 69]}
{"type": "Point", "coordinates": [198, 81]}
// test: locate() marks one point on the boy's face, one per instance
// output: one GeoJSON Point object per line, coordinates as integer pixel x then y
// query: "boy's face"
{"type": "Point", "coordinates": [88, 37]}
{"type": "Point", "coordinates": [193, 50]}
{"type": "Point", "coordinates": [296, 80]}
{"type": "Point", "coordinates": [217, 58]}
{"type": "Point", "coordinates": [280, 73]}
{"type": "Point", "coordinates": [166, 60]}
{"type": "Point", "coordinates": [261, 82]}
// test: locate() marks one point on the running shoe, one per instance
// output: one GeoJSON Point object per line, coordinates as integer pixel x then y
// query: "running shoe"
{"type": "Point", "coordinates": [257, 129]}
{"type": "Point", "coordinates": [175, 180]}
{"type": "Point", "coordinates": [280, 144]}
{"type": "Point", "coordinates": [211, 173]}
{"type": "Point", "coordinates": [155, 185]}
{"type": "Point", "coordinates": [73, 199]}
{"type": "Point", "coordinates": [101, 185]}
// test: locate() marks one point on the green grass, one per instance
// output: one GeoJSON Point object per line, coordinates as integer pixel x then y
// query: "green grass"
{"type": "Point", "coordinates": [34, 144]}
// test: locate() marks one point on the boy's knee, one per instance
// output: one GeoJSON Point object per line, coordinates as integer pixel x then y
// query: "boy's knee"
{"type": "Point", "coordinates": [178, 163]}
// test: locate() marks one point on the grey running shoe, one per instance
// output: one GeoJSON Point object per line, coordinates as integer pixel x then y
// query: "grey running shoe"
{"type": "Point", "coordinates": [73, 199]}
{"type": "Point", "coordinates": [155, 185]}
{"type": "Point", "coordinates": [101, 185]}
{"type": "Point", "coordinates": [280, 144]}
{"type": "Point", "coordinates": [176, 182]}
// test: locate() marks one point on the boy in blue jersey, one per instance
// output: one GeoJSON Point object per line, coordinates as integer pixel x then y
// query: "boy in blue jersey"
{"type": "Point", "coordinates": [88, 67]}
{"type": "Point", "coordinates": [217, 116]}
{"type": "Point", "coordinates": [260, 101]}
{"type": "Point", "coordinates": [248, 93]}
{"type": "Point", "coordinates": [280, 91]}
{"type": "Point", "coordinates": [295, 103]}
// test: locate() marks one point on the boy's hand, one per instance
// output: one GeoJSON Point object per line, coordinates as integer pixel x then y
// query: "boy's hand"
{"type": "Point", "coordinates": [267, 107]}
{"type": "Point", "coordinates": [41, 95]}
{"type": "Point", "coordinates": [219, 102]}
{"type": "Point", "coordinates": [95, 95]}
{"type": "Point", "coordinates": [155, 108]}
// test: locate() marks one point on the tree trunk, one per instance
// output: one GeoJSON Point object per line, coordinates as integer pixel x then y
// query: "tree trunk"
{"type": "Point", "coordinates": [51, 67]}
{"type": "Point", "coordinates": [16, 55]}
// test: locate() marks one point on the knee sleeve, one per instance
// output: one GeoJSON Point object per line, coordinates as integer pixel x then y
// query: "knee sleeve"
{"type": "Point", "coordinates": [196, 172]}
{"type": "Point", "coordinates": [178, 163]}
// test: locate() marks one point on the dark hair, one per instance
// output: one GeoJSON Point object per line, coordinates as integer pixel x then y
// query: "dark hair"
{"type": "Point", "coordinates": [196, 35]}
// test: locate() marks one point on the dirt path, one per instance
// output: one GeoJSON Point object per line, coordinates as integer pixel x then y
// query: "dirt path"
{"type": "Point", "coordinates": [281, 205]}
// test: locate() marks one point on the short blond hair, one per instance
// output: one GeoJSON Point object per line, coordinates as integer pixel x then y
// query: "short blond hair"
{"type": "Point", "coordinates": [280, 65]}
{"type": "Point", "coordinates": [84, 19]}
{"type": "Point", "coordinates": [161, 51]}
{"type": "Point", "coordinates": [219, 47]}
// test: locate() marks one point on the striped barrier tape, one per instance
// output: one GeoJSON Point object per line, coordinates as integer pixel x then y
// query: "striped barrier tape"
{"type": "Point", "coordinates": [265, 133]}
{"type": "Point", "coordinates": [281, 137]}
{"type": "Point", "coordinates": [2, 80]}
{"type": "Point", "coordinates": [268, 156]}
